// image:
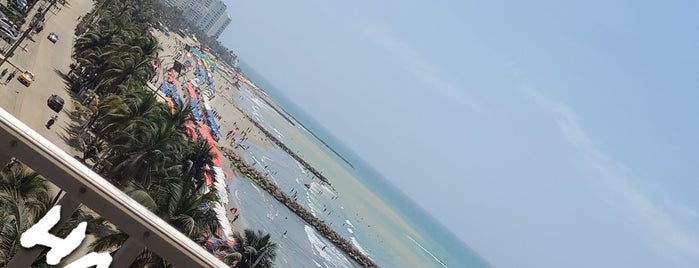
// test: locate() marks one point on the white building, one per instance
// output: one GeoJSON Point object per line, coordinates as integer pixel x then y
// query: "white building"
{"type": "Point", "coordinates": [209, 16]}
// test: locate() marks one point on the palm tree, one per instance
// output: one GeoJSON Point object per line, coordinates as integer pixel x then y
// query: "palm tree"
{"type": "Point", "coordinates": [145, 150]}
{"type": "Point", "coordinates": [179, 115]}
{"type": "Point", "coordinates": [146, 154]}
{"type": "Point", "coordinates": [129, 62]}
{"type": "Point", "coordinates": [184, 207]}
{"type": "Point", "coordinates": [126, 112]}
{"type": "Point", "coordinates": [91, 146]}
{"type": "Point", "coordinates": [256, 249]}
{"type": "Point", "coordinates": [24, 199]}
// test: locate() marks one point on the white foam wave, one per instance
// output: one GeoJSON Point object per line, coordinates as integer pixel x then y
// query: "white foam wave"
{"type": "Point", "coordinates": [326, 251]}
{"type": "Point", "coordinates": [358, 246]}
{"type": "Point", "coordinates": [256, 189]}
{"type": "Point", "coordinates": [256, 161]}
{"type": "Point", "coordinates": [279, 134]}
{"type": "Point", "coordinates": [303, 169]}
{"type": "Point", "coordinates": [350, 230]}
{"type": "Point", "coordinates": [427, 251]}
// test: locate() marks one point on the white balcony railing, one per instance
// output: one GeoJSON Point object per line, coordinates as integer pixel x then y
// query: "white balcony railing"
{"type": "Point", "coordinates": [82, 185]}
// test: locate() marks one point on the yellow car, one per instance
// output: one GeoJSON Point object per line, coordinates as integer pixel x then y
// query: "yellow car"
{"type": "Point", "coordinates": [26, 78]}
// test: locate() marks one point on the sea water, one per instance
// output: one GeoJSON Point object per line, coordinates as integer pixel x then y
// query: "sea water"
{"type": "Point", "coordinates": [364, 208]}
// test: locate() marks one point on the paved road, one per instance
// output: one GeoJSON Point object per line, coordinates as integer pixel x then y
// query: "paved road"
{"type": "Point", "coordinates": [46, 60]}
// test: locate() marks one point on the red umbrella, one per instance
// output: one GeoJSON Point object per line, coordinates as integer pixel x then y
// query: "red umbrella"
{"type": "Point", "coordinates": [209, 182]}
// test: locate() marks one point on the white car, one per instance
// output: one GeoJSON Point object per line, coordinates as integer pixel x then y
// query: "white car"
{"type": "Point", "coordinates": [7, 24]}
{"type": "Point", "coordinates": [7, 35]}
{"type": "Point", "coordinates": [21, 4]}
{"type": "Point", "coordinates": [53, 37]}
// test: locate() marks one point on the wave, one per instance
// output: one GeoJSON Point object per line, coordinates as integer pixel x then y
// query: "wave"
{"type": "Point", "coordinates": [358, 246]}
{"type": "Point", "coordinates": [427, 251]}
{"type": "Point", "coordinates": [259, 191]}
{"type": "Point", "coordinates": [279, 134]}
{"type": "Point", "coordinates": [257, 161]}
{"type": "Point", "coordinates": [327, 251]}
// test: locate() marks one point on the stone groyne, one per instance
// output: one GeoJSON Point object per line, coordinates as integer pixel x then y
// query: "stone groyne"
{"type": "Point", "coordinates": [286, 149]}
{"type": "Point", "coordinates": [281, 196]}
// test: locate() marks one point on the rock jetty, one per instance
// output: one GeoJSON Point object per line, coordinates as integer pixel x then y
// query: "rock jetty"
{"type": "Point", "coordinates": [286, 149]}
{"type": "Point", "coordinates": [281, 196]}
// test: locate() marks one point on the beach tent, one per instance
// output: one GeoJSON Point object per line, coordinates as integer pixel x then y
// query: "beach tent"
{"type": "Point", "coordinates": [164, 89]}
{"type": "Point", "coordinates": [206, 104]}
{"type": "Point", "coordinates": [189, 129]}
{"type": "Point", "coordinates": [190, 90]}
{"type": "Point", "coordinates": [208, 179]}
{"type": "Point", "coordinates": [220, 184]}
{"type": "Point", "coordinates": [169, 103]}
{"type": "Point", "coordinates": [195, 109]}
{"type": "Point", "coordinates": [170, 77]}
{"type": "Point", "coordinates": [212, 124]}
{"type": "Point", "coordinates": [211, 64]}
{"type": "Point", "coordinates": [215, 159]}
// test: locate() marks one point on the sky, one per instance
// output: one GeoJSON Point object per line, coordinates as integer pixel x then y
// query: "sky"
{"type": "Point", "coordinates": [541, 133]}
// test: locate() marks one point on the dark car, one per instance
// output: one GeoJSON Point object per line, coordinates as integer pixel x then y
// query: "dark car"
{"type": "Point", "coordinates": [55, 102]}
{"type": "Point", "coordinates": [53, 37]}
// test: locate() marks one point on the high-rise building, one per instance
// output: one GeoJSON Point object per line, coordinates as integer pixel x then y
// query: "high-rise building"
{"type": "Point", "coordinates": [209, 16]}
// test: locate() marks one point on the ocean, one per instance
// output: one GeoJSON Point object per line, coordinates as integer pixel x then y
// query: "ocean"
{"type": "Point", "coordinates": [365, 208]}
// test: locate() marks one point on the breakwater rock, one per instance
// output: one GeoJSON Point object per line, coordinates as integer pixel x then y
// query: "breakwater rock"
{"type": "Point", "coordinates": [281, 196]}
{"type": "Point", "coordinates": [286, 149]}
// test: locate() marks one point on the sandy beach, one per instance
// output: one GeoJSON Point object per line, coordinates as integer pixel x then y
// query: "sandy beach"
{"type": "Point", "coordinates": [50, 61]}
{"type": "Point", "coordinates": [232, 117]}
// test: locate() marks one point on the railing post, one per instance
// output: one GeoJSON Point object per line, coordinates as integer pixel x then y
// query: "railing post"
{"type": "Point", "coordinates": [85, 186]}
{"type": "Point", "coordinates": [5, 157]}
{"type": "Point", "coordinates": [127, 253]}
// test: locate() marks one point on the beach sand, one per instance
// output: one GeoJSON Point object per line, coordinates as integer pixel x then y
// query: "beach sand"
{"type": "Point", "coordinates": [232, 117]}
{"type": "Point", "coordinates": [46, 60]}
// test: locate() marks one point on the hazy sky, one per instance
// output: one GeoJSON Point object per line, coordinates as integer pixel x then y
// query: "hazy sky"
{"type": "Point", "coordinates": [543, 133]}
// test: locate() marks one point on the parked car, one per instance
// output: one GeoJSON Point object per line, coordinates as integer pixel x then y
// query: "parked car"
{"type": "Point", "coordinates": [53, 37]}
{"type": "Point", "coordinates": [7, 24]}
{"type": "Point", "coordinates": [21, 4]}
{"type": "Point", "coordinates": [39, 26]}
{"type": "Point", "coordinates": [7, 35]}
{"type": "Point", "coordinates": [55, 102]}
{"type": "Point", "coordinates": [26, 78]}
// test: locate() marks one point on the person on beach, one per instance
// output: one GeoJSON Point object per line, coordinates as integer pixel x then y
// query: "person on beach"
{"type": "Point", "coordinates": [12, 75]}
{"type": "Point", "coordinates": [4, 72]}
{"type": "Point", "coordinates": [51, 121]}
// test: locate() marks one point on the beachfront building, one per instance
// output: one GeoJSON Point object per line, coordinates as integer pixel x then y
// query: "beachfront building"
{"type": "Point", "coordinates": [210, 16]}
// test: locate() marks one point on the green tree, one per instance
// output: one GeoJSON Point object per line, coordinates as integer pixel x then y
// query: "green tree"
{"type": "Point", "coordinates": [24, 199]}
{"type": "Point", "coordinates": [256, 249]}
